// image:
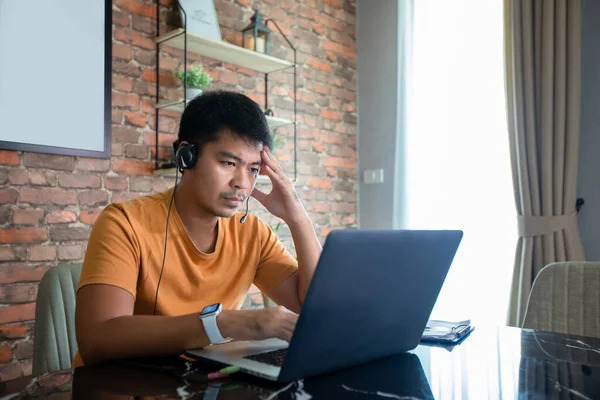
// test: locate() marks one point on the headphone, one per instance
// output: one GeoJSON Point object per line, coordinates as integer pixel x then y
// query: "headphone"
{"type": "Point", "coordinates": [185, 158]}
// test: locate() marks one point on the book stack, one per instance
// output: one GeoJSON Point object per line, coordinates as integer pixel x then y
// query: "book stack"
{"type": "Point", "coordinates": [446, 332]}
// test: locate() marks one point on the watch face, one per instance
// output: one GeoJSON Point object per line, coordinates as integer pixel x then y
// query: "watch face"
{"type": "Point", "coordinates": [210, 309]}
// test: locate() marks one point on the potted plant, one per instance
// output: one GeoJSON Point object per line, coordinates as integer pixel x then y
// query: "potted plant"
{"type": "Point", "coordinates": [197, 80]}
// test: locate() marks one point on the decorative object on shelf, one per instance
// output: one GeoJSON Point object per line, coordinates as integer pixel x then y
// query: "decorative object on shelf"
{"type": "Point", "coordinates": [197, 80]}
{"type": "Point", "coordinates": [257, 36]}
{"type": "Point", "coordinates": [199, 17]}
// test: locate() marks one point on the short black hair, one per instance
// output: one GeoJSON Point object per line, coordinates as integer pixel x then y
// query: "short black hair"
{"type": "Point", "coordinates": [205, 117]}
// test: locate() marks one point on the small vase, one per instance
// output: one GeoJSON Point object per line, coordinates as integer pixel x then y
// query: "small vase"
{"type": "Point", "coordinates": [191, 93]}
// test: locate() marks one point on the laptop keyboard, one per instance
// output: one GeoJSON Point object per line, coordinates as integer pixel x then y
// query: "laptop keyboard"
{"type": "Point", "coordinates": [274, 357]}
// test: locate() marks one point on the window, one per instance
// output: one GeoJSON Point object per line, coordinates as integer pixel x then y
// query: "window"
{"type": "Point", "coordinates": [457, 162]}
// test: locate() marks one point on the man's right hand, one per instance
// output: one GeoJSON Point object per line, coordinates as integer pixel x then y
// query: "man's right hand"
{"type": "Point", "coordinates": [266, 323]}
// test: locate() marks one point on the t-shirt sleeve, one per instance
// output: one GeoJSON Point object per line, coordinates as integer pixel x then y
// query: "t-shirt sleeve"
{"type": "Point", "coordinates": [113, 254]}
{"type": "Point", "coordinates": [276, 263]}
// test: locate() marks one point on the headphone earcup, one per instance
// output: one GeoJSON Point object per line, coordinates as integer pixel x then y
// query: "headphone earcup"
{"type": "Point", "coordinates": [185, 156]}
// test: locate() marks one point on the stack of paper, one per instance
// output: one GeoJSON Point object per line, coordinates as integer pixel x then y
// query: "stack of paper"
{"type": "Point", "coordinates": [446, 331]}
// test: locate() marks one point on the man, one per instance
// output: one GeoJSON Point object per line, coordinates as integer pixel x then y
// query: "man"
{"type": "Point", "coordinates": [145, 281]}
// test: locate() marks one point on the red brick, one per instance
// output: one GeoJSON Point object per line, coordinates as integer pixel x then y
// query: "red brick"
{"type": "Point", "coordinates": [42, 253]}
{"type": "Point", "coordinates": [125, 196]}
{"type": "Point", "coordinates": [169, 63]}
{"type": "Point", "coordinates": [120, 18]}
{"type": "Point", "coordinates": [124, 134]}
{"type": "Point", "coordinates": [6, 353]}
{"type": "Point", "coordinates": [122, 84]}
{"type": "Point", "coordinates": [93, 198]}
{"type": "Point", "coordinates": [8, 196]}
{"type": "Point", "coordinates": [332, 115]}
{"type": "Point", "coordinates": [319, 183]}
{"type": "Point", "coordinates": [339, 162]}
{"type": "Point", "coordinates": [23, 235]}
{"type": "Point", "coordinates": [116, 116]}
{"type": "Point", "coordinates": [160, 185]}
{"type": "Point", "coordinates": [318, 29]}
{"type": "Point", "coordinates": [7, 254]}
{"type": "Point", "coordinates": [89, 216]}
{"type": "Point", "coordinates": [9, 157]}
{"type": "Point", "coordinates": [18, 177]}
{"type": "Point", "coordinates": [42, 178]}
{"type": "Point", "coordinates": [140, 152]}
{"type": "Point", "coordinates": [166, 78]}
{"type": "Point", "coordinates": [117, 149]}
{"type": "Point", "coordinates": [318, 207]}
{"type": "Point", "coordinates": [61, 233]}
{"type": "Point", "coordinates": [70, 252]}
{"type": "Point", "coordinates": [27, 217]}
{"type": "Point", "coordinates": [140, 184]}
{"type": "Point", "coordinates": [128, 167]}
{"type": "Point", "coordinates": [318, 147]}
{"type": "Point", "coordinates": [22, 273]}
{"type": "Point", "coordinates": [134, 38]}
{"type": "Point", "coordinates": [24, 350]}
{"type": "Point", "coordinates": [330, 137]}
{"type": "Point", "coordinates": [93, 164]}
{"type": "Point", "coordinates": [115, 183]}
{"type": "Point", "coordinates": [13, 331]}
{"type": "Point", "coordinates": [129, 101]}
{"type": "Point", "coordinates": [229, 77]}
{"type": "Point", "coordinates": [332, 23]}
{"type": "Point", "coordinates": [164, 139]}
{"type": "Point", "coordinates": [126, 68]}
{"type": "Point", "coordinates": [318, 64]}
{"type": "Point", "coordinates": [79, 181]}
{"type": "Point", "coordinates": [47, 196]}
{"type": "Point", "coordinates": [135, 119]}
{"type": "Point", "coordinates": [332, 172]}
{"type": "Point", "coordinates": [48, 161]}
{"type": "Point", "coordinates": [18, 293]}
{"type": "Point", "coordinates": [61, 217]}
{"type": "Point", "coordinates": [19, 312]}
{"type": "Point", "coordinates": [309, 13]}
{"type": "Point", "coordinates": [123, 52]}
{"type": "Point", "coordinates": [137, 7]}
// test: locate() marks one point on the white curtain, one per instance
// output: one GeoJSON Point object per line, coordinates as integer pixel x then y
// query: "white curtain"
{"type": "Point", "coordinates": [457, 162]}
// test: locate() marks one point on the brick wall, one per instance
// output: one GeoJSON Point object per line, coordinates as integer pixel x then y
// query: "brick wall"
{"type": "Point", "coordinates": [48, 203]}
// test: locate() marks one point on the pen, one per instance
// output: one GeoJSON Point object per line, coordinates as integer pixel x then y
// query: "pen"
{"type": "Point", "coordinates": [223, 373]}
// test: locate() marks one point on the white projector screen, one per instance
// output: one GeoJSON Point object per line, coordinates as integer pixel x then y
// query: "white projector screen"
{"type": "Point", "coordinates": [55, 76]}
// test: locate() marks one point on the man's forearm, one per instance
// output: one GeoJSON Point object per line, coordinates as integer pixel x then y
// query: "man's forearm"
{"type": "Point", "coordinates": [308, 250]}
{"type": "Point", "coordinates": [142, 335]}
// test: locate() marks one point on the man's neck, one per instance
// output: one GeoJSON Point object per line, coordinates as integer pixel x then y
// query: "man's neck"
{"type": "Point", "coordinates": [200, 225]}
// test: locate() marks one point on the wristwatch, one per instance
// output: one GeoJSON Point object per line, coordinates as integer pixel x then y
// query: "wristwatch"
{"type": "Point", "coordinates": [208, 316]}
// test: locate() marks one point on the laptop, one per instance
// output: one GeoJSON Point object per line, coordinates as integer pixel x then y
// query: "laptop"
{"type": "Point", "coordinates": [370, 297]}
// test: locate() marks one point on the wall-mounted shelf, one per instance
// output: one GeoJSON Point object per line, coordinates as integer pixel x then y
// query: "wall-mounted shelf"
{"type": "Point", "coordinates": [180, 38]}
{"type": "Point", "coordinates": [223, 51]}
{"type": "Point", "coordinates": [177, 105]}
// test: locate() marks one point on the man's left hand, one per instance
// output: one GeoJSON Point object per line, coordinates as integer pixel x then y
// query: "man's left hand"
{"type": "Point", "coordinates": [282, 201]}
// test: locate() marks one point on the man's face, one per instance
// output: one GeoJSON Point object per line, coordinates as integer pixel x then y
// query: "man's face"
{"type": "Point", "coordinates": [224, 174]}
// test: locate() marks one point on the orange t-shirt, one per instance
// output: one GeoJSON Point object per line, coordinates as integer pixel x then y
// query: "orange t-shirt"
{"type": "Point", "coordinates": [126, 247]}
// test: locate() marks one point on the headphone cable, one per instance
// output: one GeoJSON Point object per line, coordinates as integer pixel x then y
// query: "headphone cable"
{"type": "Point", "coordinates": [166, 239]}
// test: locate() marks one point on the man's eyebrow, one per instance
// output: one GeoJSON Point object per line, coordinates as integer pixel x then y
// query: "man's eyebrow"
{"type": "Point", "coordinates": [236, 158]}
